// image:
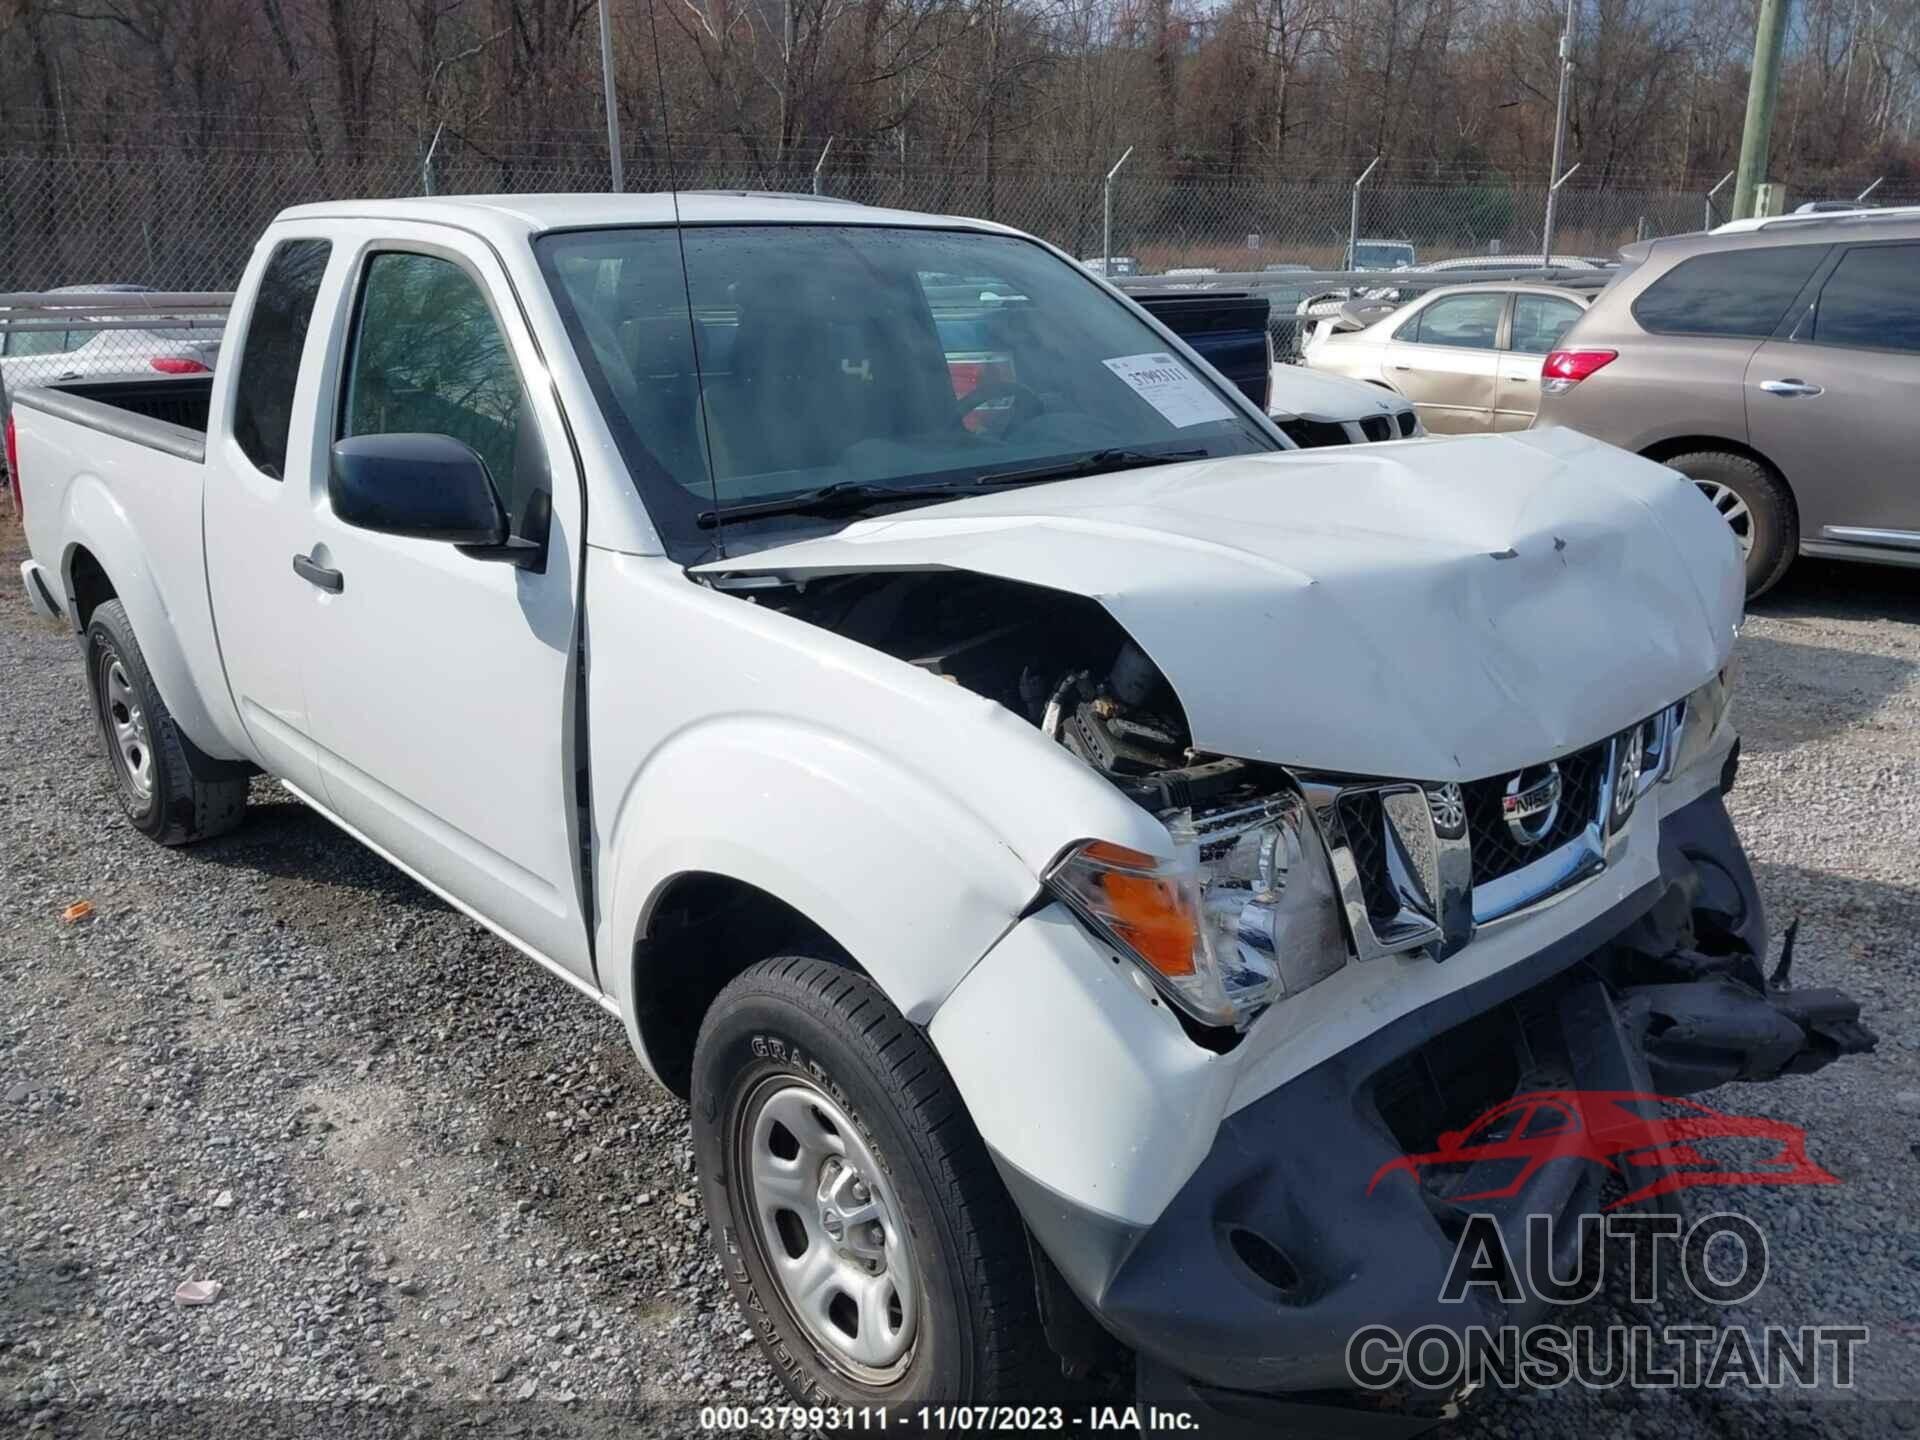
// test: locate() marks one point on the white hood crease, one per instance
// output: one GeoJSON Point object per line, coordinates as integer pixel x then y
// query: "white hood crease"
{"type": "Point", "coordinates": [1433, 610]}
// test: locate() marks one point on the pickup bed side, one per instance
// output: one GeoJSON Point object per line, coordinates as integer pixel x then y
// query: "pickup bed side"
{"type": "Point", "coordinates": [112, 474]}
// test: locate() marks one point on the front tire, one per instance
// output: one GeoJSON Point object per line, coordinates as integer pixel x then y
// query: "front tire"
{"type": "Point", "coordinates": [1756, 506]}
{"type": "Point", "coordinates": [170, 791]}
{"type": "Point", "coordinates": [861, 1224]}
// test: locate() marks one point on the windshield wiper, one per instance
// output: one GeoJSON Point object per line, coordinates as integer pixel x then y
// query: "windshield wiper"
{"type": "Point", "coordinates": [847, 496]}
{"type": "Point", "coordinates": [839, 498]}
{"type": "Point", "coordinates": [1090, 464]}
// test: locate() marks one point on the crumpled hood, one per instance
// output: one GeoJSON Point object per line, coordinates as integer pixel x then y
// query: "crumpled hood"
{"type": "Point", "coordinates": [1434, 610]}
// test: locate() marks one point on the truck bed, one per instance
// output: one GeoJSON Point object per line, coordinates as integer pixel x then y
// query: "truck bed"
{"type": "Point", "coordinates": [165, 412]}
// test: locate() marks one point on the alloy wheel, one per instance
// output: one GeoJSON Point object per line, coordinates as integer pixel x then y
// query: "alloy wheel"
{"type": "Point", "coordinates": [1733, 510]}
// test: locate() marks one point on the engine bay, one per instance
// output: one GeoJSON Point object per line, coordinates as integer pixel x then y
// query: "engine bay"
{"type": "Point", "coordinates": [1059, 661]}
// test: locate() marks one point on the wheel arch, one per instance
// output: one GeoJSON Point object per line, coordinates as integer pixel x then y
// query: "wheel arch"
{"type": "Point", "coordinates": [1678, 445]}
{"type": "Point", "coordinates": [701, 930]}
{"type": "Point", "coordinates": [822, 844]}
{"type": "Point", "coordinates": [104, 558]}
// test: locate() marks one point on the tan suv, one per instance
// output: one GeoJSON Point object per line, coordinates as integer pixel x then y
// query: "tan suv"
{"type": "Point", "coordinates": [1777, 365]}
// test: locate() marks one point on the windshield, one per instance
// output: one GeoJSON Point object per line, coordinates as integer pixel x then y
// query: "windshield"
{"type": "Point", "coordinates": [861, 356]}
{"type": "Point", "coordinates": [1374, 256]}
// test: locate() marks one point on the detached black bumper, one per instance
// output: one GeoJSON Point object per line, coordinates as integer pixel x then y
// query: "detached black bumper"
{"type": "Point", "coordinates": [1239, 1301]}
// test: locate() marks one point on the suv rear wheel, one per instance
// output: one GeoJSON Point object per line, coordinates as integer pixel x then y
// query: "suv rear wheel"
{"type": "Point", "coordinates": [1756, 506]}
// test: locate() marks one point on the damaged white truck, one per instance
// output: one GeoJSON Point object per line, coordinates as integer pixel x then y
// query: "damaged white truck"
{"type": "Point", "coordinates": [1063, 840]}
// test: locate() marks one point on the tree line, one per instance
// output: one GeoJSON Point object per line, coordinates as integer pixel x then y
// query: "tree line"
{"type": "Point", "coordinates": [1222, 89]}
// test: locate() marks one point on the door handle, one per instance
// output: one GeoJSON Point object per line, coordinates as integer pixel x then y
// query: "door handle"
{"type": "Point", "coordinates": [332, 581]}
{"type": "Point", "coordinates": [1403, 367]}
{"type": "Point", "coordinates": [1790, 388]}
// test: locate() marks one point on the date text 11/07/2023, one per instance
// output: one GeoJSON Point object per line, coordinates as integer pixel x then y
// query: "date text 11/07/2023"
{"type": "Point", "coordinates": [951, 1419]}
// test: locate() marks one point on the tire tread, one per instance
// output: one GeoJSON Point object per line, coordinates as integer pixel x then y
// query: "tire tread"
{"type": "Point", "coordinates": [988, 1230]}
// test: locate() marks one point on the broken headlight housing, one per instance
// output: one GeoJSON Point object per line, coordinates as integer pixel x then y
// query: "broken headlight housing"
{"type": "Point", "coordinates": [1701, 715]}
{"type": "Point", "coordinates": [1243, 914]}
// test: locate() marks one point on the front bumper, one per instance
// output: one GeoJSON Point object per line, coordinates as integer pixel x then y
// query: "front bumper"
{"type": "Point", "coordinates": [1242, 1295]}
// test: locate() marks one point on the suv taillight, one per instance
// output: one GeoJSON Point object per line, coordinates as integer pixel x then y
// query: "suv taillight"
{"type": "Point", "coordinates": [1565, 369]}
{"type": "Point", "coordinates": [13, 470]}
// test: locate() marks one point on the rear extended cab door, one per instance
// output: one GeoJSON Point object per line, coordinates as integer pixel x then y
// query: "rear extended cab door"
{"type": "Point", "coordinates": [440, 686]}
{"type": "Point", "coordinates": [258, 500]}
{"type": "Point", "coordinates": [1829, 400]}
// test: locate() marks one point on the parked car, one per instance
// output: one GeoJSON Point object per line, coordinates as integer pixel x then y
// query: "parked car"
{"type": "Point", "coordinates": [1314, 408]}
{"type": "Point", "coordinates": [1774, 365]}
{"type": "Point", "coordinates": [83, 347]}
{"type": "Point", "coordinates": [975, 822]}
{"type": "Point", "coordinates": [1123, 265]}
{"type": "Point", "coordinates": [1467, 356]}
{"type": "Point", "coordinates": [1383, 255]}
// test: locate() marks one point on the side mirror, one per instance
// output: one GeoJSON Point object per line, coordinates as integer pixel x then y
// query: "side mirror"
{"type": "Point", "coordinates": [430, 487]}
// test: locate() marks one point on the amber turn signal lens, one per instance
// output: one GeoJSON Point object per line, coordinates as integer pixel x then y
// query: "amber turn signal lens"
{"type": "Point", "coordinates": [1151, 915]}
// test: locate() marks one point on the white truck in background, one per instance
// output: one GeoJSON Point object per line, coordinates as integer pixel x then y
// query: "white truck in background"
{"type": "Point", "coordinates": [1063, 840]}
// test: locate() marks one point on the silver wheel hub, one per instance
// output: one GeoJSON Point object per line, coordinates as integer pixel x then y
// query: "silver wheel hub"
{"type": "Point", "coordinates": [127, 723]}
{"type": "Point", "coordinates": [1732, 509]}
{"type": "Point", "coordinates": [828, 1226]}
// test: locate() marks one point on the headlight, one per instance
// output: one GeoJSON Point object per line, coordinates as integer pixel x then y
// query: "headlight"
{"type": "Point", "coordinates": [1242, 915]}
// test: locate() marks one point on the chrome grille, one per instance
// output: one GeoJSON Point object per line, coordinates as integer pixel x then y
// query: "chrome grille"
{"type": "Point", "coordinates": [1495, 850]}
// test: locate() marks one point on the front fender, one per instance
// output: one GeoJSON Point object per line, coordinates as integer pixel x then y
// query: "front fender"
{"type": "Point", "coordinates": [95, 520]}
{"type": "Point", "coordinates": [899, 870]}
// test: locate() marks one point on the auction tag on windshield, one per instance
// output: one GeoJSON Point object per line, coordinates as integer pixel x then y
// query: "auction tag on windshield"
{"type": "Point", "coordinates": [1172, 389]}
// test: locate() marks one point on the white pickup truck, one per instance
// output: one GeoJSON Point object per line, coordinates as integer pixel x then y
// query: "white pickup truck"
{"type": "Point", "coordinates": [1063, 840]}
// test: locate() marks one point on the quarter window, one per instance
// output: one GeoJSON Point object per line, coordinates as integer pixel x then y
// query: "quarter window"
{"type": "Point", "coordinates": [1872, 300]}
{"type": "Point", "coordinates": [429, 358]}
{"type": "Point", "coordinates": [1735, 292]}
{"type": "Point", "coordinates": [270, 356]}
{"type": "Point", "coordinates": [1469, 322]}
{"type": "Point", "coordinates": [1539, 321]}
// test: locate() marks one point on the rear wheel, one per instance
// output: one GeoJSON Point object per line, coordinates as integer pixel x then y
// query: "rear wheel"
{"type": "Point", "coordinates": [1756, 506]}
{"type": "Point", "coordinates": [170, 791]}
{"type": "Point", "coordinates": [863, 1229]}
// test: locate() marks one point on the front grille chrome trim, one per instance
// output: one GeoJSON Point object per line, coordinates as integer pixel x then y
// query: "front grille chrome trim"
{"type": "Point", "coordinates": [1402, 851]}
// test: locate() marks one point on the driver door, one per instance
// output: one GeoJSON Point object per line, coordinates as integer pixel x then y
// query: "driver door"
{"type": "Point", "coordinates": [441, 686]}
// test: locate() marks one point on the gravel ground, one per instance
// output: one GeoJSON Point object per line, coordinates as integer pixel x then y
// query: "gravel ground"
{"type": "Point", "coordinates": [439, 1193]}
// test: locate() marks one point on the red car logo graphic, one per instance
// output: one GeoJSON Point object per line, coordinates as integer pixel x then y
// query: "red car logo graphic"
{"type": "Point", "coordinates": [1625, 1131]}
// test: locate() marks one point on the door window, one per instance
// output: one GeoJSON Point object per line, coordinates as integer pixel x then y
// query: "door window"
{"type": "Point", "coordinates": [429, 357]}
{"type": "Point", "coordinates": [1539, 321]}
{"type": "Point", "coordinates": [1735, 292]}
{"type": "Point", "coordinates": [1469, 322]}
{"type": "Point", "coordinates": [270, 355]}
{"type": "Point", "coordinates": [34, 342]}
{"type": "Point", "coordinates": [1872, 300]}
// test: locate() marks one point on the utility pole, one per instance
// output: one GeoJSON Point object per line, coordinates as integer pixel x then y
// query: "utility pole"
{"type": "Point", "coordinates": [613, 101]}
{"type": "Point", "coordinates": [1762, 90]}
{"type": "Point", "coordinates": [1554, 177]}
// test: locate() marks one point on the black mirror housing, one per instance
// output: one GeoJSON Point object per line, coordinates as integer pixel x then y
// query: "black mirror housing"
{"type": "Point", "coordinates": [429, 487]}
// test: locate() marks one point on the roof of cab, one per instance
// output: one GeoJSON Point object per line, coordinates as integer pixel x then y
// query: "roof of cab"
{"type": "Point", "coordinates": [514, 217]}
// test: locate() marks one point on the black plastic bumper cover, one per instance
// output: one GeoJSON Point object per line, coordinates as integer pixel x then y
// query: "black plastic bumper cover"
{"type": "Point", "coordinates": [1235, 1324]}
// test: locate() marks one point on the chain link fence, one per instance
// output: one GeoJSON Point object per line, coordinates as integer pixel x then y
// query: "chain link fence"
{"type": "Point", "coordinates": [187, 221]}
{"type": "Point", "coordinates": [133, 217]}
